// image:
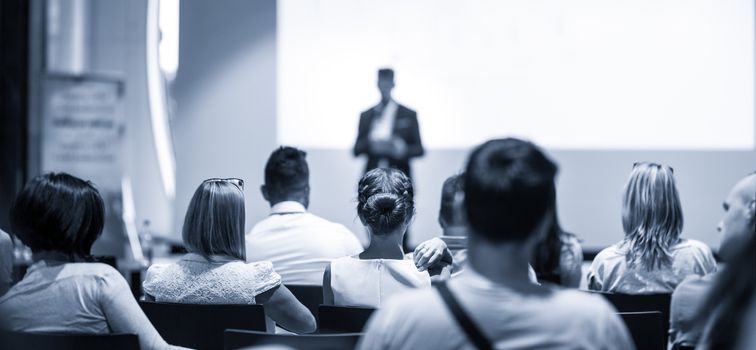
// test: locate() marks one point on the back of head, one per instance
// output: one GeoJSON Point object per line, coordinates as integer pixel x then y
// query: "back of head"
{"type": "Point", "coordinates": [385, 200]}
{"type": "Point", "coordinates": [214, 222]}
{"type": "Point", "coordinates": [58, 212]}
{"type": "Point", "coordinates": [451, 194]}
{"type": "Point", "coordinates": [286, 173]}
{"type": "Point", "coordinates": [651, 214]}
{"type": "Point", "coordinates": [386, 74]}
{"type": "Point", "coordinates": [509, 186]}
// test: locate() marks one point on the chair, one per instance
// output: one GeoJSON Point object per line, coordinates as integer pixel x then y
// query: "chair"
{"type": "Point", "coordinates": [683, 347]}
{"type": "Point", "coordinates": [309, 296]}
{"type": "Point", "coordinates": [19, 340]}
{"type": "Point", "coordinates": [235, 339]}
{"type": "Point", "coordinates": [642, 302]}
{"type": "Point", "coordinates": [645, 329]}
{"type": "Point", "coordinates": [201, 326]}
{"type": "Point", "coordinates": [342, 319]}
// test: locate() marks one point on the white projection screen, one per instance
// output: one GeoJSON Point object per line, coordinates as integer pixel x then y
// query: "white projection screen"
{"type": "Point", "coordinates": [575, 74]}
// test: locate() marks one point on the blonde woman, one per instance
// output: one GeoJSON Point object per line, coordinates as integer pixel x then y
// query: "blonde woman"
{"type": "Point", "coordinates": [214, 271]}
{"type": "Point", "coordinates": [652, 258]}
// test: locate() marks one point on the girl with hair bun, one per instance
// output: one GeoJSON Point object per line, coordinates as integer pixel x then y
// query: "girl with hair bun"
{"type": "Point", "coordinates": [386, 207]}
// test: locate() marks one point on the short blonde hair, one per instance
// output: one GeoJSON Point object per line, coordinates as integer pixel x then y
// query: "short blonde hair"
{"type": "Point", "coordinates": [651, 215]}
{"type": "Point", "coordinates": [214, 222]}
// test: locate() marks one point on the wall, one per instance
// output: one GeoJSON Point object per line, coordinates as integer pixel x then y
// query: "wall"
{"type": "Point", "coordinates": [225, 126]}
{"type": "Point", "coordinates": [225, 97]}
{"type": "Point", "coordinates": [115, 47]}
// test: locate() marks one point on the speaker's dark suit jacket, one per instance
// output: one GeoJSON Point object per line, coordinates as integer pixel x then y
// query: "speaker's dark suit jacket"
{"type": "Point", "coordinates": [405, 127]}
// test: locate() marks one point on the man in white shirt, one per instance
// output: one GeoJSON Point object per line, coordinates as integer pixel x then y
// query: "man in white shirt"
{"type": "Point", "coordinates": [299, 244]}
{"type": "Point", "coordinates": [508, 195]}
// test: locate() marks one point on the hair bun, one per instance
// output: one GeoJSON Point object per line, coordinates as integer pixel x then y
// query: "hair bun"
{"type": "Point", "coordinates": [382, 203]}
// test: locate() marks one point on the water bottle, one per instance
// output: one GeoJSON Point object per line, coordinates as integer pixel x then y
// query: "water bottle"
{"type": "Point", "coordinates": [145, 241]}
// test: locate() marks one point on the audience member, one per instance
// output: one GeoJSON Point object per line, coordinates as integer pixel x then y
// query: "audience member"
{"type": "Point", "coordinates": [59, 217]}
{"type": "Point", "coordinates": [558, 258]}
{"type": "Point", "coordinates": [6, 262]}
{"type": "Point", "coordinates": [386, 207]}
{"type": "Point", "coordinates": [737, 228]}
{"type": "Point", "coordinates": [298, 243]}
{"type": "Point", "coordinates": [451, 218]}
{"type": "Point", "coordinates": [730, 306]}
{"type": "Point", "coordinates": [652, 258]}
{"type": "Point", "coordinates": [215, 270]}
{"type": "Point", "coordinates": [508, 194]}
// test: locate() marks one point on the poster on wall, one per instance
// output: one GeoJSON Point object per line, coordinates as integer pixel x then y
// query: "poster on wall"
{"type": "Point", "coordinates": [82, 134]}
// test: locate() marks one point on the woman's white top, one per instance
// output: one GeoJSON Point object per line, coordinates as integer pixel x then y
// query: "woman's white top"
{"type": "Point", "coordinates": [610, 272]}
{"type": "Point", "coordinates": [196, 280]}
{"type": "Point", "coordinates": [368, 283]}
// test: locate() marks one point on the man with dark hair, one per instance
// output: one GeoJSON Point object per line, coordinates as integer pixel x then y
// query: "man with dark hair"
{"type": "Point", "coordinates": [388, 134]}
{"type": "Point", "coordinates": [299, 244]}
{"type": "Point", "coordinates": [507, 199]}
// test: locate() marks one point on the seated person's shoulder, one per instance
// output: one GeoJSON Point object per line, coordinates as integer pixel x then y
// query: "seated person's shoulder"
{"type": "Point", "coordinates": [155, 270]}
{"type": "Point", "coordinates": [693, 284]}
{"type": "Point", "coordinates": [693, 246]}
{"type": "Point", "coordinates": [96, 269]}
{"type": "Point", "coordinates": [256, 272]}
{"type": "Point", "coordinates": [611, 252]}
{"type": "Point", "coordinates": [577, 303]}
{"type": "Point", "coordinates": [691, 249]}
{"type": "Point", "coordinates": [4, 238]}
{"type": "Point", "coordinates": [415, 302]}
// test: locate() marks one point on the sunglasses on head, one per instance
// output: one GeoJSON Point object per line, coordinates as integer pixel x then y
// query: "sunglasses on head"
{"type": "Point", "coordinates": [233, 180]}
{"type": "Point", "coordinates": [653, 164]}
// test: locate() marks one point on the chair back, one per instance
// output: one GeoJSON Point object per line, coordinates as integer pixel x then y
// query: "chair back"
{"type": "Point", "coordinates": [645, 329]}
{"type": "Point", "coordinates": [642, 302]}
{"type": "Point", "coordinates": [683, 347]}
{"type": "Point", "coordinates": [236, 339]}
{"type": "Point", "coordinates": [309, 296]}
{"type": "Point", "coordinates": [201, 326]}
{"type": "Point", "coordinates": [342, 319]}
{"type": "Point", "coordinates": [20, 340]}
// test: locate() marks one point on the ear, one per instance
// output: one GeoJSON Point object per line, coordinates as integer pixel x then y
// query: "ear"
{"type": "Point", "coordinates": [264, 192]}
{"type": "Point", "coordinates": [751, 208]}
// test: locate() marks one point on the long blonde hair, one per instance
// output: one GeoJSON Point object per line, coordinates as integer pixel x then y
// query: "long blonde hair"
{"type": "Point", "coordinates": [651, 215]}
{"type": "Point", "coordinates": [214, 222]}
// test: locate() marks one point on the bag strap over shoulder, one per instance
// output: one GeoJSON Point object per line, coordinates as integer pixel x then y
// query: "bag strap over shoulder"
{"type": "Point", "coordinates": [468, 326]}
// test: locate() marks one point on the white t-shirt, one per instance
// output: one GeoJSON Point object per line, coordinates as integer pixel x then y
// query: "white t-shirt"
{"type": "Point", "coordinates": [195, 280]}
{"type": "Point", "coordinates": [299, 244]}
{"type": "Point", "coordinates": [554, 319]}
{"type": "Point", "coordinates": [370, 282]}
{"type": "Point", "coordinates": [609, 271]}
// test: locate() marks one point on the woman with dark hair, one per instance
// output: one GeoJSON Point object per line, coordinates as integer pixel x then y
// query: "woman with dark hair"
{"type": "Point", "coordinates": [558, 258]}
{"type": "Point", "coordinates": [215, 270]}
{"type": "Point", "coordinates": [59, 217]}
{"type": "Point", "coordinates": [386, 207]}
